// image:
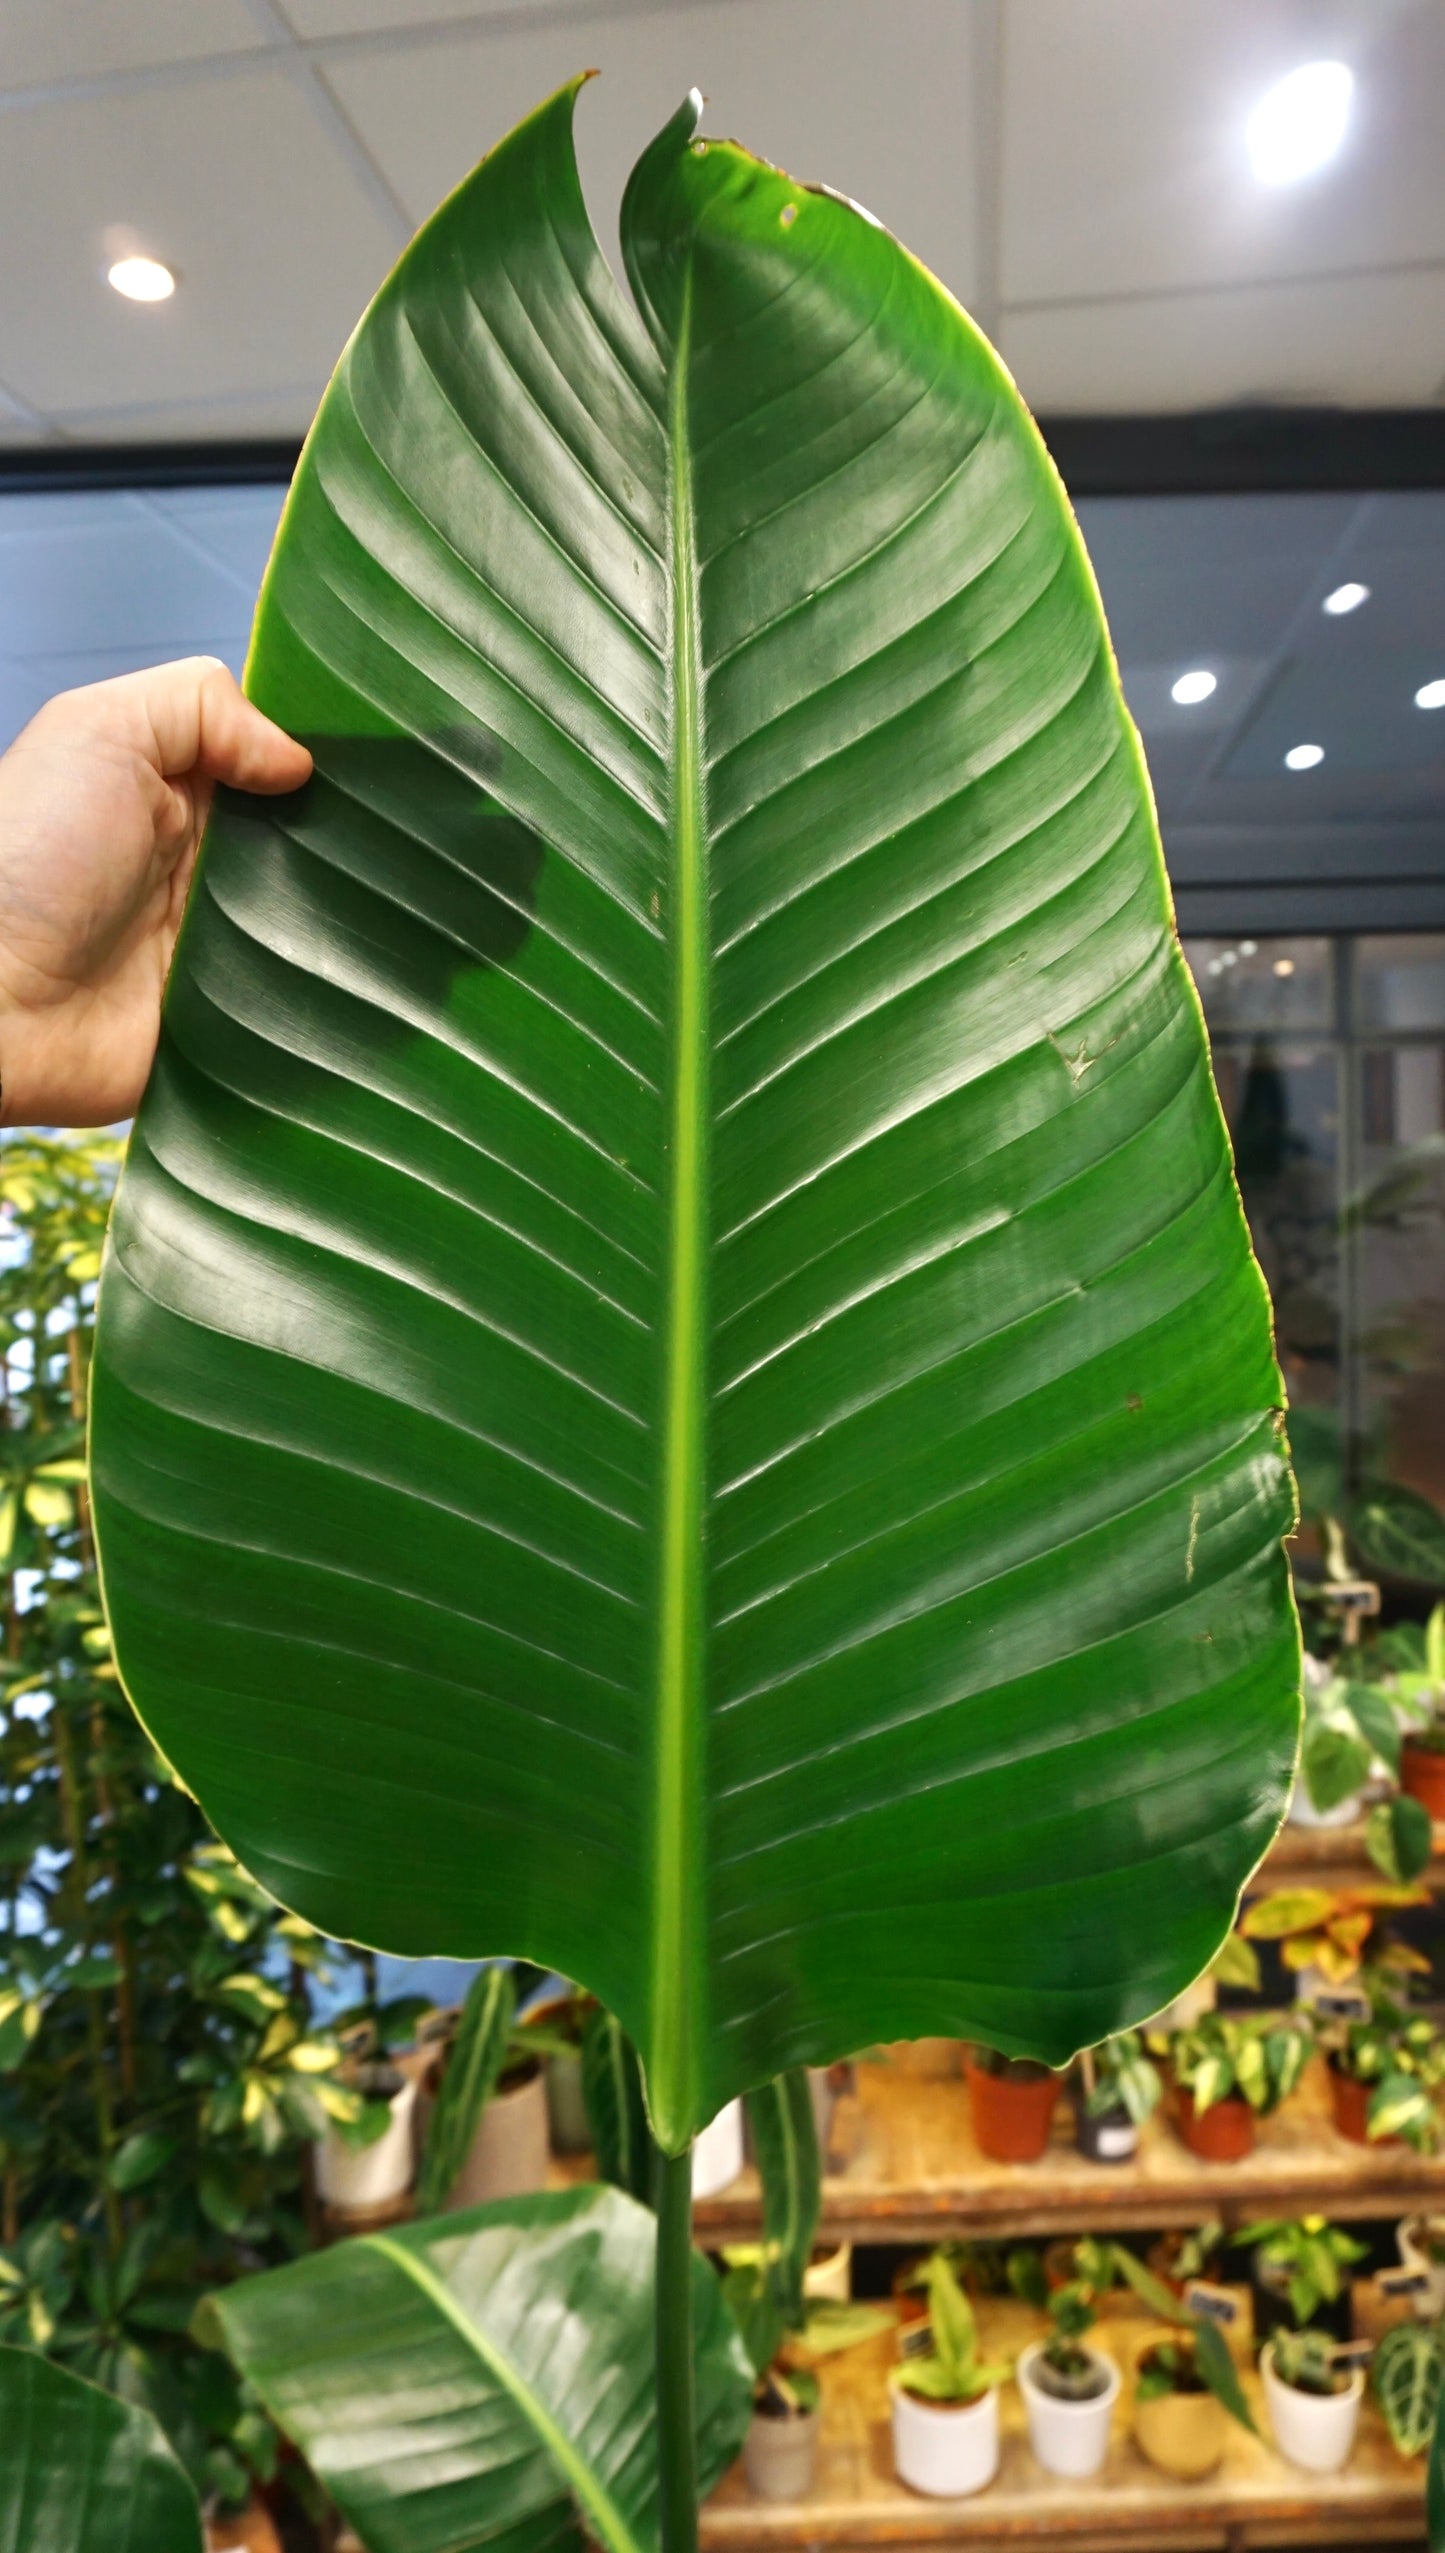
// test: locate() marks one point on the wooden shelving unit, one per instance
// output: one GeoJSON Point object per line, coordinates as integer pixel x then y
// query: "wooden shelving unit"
{"type": "Point", "coordinates": [1328, 1857]}
{"type": "Point", "coordinates": [1254, 2498]}
{"type": "Point", "coordinates": [904, 2167]}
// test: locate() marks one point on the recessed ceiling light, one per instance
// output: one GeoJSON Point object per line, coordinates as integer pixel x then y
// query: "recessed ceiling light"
{"type": "Point", "coordinates": [1303, 757]}
{"type": "Point", "coordinates": [141, 279]}
{"type": "Point", "coordinates": [1300, 123]}
{"type": "Point", "coordinates": [1249, 948]}
{"type": "Point", "coordinates": [1284, 966]}
{"type": "Point", "coordinates": [1193, 687]}
{"type": "Point", "coordinates": [1430, 696]}
{"type": "Point", "coordinates": [1346, 598]}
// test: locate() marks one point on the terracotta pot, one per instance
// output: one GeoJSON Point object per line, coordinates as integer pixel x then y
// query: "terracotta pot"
{"type": "Point", "coordinates": [1183, 2433]}
{"type": "Point", "coordinates": [1224, 2133]}
{"type": "Point", "coordinates": [1352, 2109]}
{"type": "Point", "coordinates": [248, 2530]}
{"type": "Point", "coordinates": [508, 2154]}
{"type": "Point", "coordinates": [1422, 1774]}
{"type": "Point", "coordinates": [1012, 2120]}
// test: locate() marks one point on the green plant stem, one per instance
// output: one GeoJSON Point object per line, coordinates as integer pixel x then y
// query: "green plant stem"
{"type": "Point", "coordinates": [676, 2416]}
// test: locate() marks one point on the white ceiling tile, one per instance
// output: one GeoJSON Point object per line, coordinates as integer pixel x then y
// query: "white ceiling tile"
{"type": "Point", "coordinates": [122, 580]}
{"type": "Point", "coordinates": [1371, 341]}
{"type": "Point", "coordinates": [266, 414]}
{"type": "Point", "coordinates": [234, 183]}
{"type": "Point", "coordinates": [1124, 164]}
{"type": "Point", "coordinates": [351, 17]}
{"type": "Point", "coordinates": [43, 40]}
{"type": "Point", "coordinates": [883, 116]}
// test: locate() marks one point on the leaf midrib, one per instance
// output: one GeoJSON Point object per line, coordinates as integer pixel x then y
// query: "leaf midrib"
{"type": "Point", "coordinates": [676, 2020]}
{"type": "Point", "coordinates": [598, 2504]}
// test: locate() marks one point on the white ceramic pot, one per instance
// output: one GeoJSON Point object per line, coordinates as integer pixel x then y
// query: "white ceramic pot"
{"type": "Point", "coordinates": [508, 2155]}
{"type": "Point", "coordinates": [1313, 2430]}
{"type": "Point", "coordinates": [1303, 1812]}
{"type": "Point", "coordinates": [832, 2276]}
{"type": "Point", "coordinates": [355, 2178]}
{"type": "Point", "coordinates": [780, 2457]}
{"type": "Point", "coordinates": [717, 2156]}
{"type": "Point", "coordinates": [945, 2449]}
{"type": "Point", "coordinates": [1410, 2242]}
{"type": "Point", "coordinates": [1071, 2438]}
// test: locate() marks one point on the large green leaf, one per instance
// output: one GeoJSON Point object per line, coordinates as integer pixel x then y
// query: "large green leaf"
{"type": "Point", "coordinates": [487, 2378]}
{"type": "Point", "coordinates": [682, 1389]}
{"type": "Point", "coordinates": [81, 2472]}
{"type": "Point", "coordinates": [1398, 1530]}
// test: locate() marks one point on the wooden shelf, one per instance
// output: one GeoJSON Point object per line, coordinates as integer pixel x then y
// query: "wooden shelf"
{"type": "Point", "coordinates": [904, 2167]}
{"type": "Point", "coordinates": [1254, 2498]}
{"type": "Point", "coordinates": [1328, 1857]}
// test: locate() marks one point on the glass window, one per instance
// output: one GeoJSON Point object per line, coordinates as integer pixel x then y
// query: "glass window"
{"type": "Point", "coordinates": [1273, 983]}
{"type": "Point", "coordinates": [1400, 980]}
{"type": "Point", "coordinates": [1330, 1059]}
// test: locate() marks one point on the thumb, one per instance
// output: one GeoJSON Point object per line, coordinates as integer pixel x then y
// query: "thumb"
{"type": "Point", "coordinates": [203, 723]}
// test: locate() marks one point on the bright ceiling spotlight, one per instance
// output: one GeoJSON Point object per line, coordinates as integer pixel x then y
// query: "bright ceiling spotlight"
{"type": "Point", "coordinates": [1193, 687]}
{"type": "Point", "coordinates": [141, 279]}
{"type": "Point", "coordinates": [1300, 123]}
{"type": "Point", "coordinates": [1303, 757]}
{"type": "Point", "coordinates": [1430, 696]}
{"type": "Point", "coordinates": [1284, 966]}
{"type": "Point", "coordinates": [1345, 598]}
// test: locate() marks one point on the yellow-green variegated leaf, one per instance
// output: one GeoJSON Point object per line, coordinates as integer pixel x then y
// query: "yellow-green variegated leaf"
{"type": "Point", "coordinates": [682, 1390]}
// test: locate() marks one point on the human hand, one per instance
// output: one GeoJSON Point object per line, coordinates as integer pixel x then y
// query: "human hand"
{"type": "Point", "coordinates": [103, 801]}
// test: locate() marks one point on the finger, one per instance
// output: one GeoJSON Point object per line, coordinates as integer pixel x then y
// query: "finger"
{"type": "Point", "coordinates": [203, 722]}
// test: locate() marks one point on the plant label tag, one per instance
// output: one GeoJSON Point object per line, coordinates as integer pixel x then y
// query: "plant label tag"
{"type": "Point", "coordinates": [1402, 2282]}
{"type": "Point", "coordinates": [915, 2340]}
{"type": "Point", "coordinates": [1215, 2304]}
{"type": "Point", "coordinates": [1352, 2353]}
{"type": "Point", "coordinates": [1341, 2003]}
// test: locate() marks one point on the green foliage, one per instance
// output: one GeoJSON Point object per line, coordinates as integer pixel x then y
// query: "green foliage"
{"type": "Point", "coordinates": [1398, 1836]}
{"type": "Point", "coordinates": [1196, 2360]}
{"type": "Point", "coordinates": [1258, 2058]}
{"type": "Point", "coordinates": [616, 2112]}
{"type": "Point", "coordinates": [488, 2377]}
{"type": "Point", "coordinates": [1402, 2058]}
{"type": "Point", "coordinates": [1306, 2360]}
{"type": "Point", "coordinates": [1125, 2077]}
{"type": "Point", "coordinates": [1405, 2373]}
{"type": "Point", "coordinates": [689, 1294]}
{"type": "Point", "coordinates": [159, 2076]}
{"type": "Point", "coordinates": [81, 2472]}
{"type": "Point", "coordinates": [764, 2284]}
{"type": "Point", "coordinates": [1312, 2256]}
{"type": "Point", "coordinates": [953, 2370]}
{"type": "Point", "coordinates": [1399, 1531]}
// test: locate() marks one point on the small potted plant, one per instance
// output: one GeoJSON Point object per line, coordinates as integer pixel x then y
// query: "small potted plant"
{"type": "Point", "coordinates": [1069, 2389]}
{"type": "Point", "coordinates": [1420, 2241]}
{"type": "Point", "coordinates": [1313, 2401]}
{"type": "Point", "coordinates": [1324, 1933]}
{"type": "Point", "coordinates": [1230, 2070]}
{"type": "Point", "coordinates": [1186, 2389]}
{"type": "Point", "coordinates": [1405, 2374]}
{"type": "Point", "coordinates": [1301, 2269]}
{"type": "Point", "coordinates": [1385, 2077]}
{"type": "Point", "coordinates": [1116, 2089]}
{"type": "Point", "coordinates": [1012, 2100]}
{"type": "Point", "coordinates": [945, 2399]}
{"type": "Point", "coordinates": [486, 2129]}
{"type": "Point", "coordinates": [367, 2157]}
{"type": "Point", "coordinates": [1422, 1754]}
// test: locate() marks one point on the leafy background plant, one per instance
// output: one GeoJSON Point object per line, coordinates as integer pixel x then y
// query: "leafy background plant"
{"type": "Point", "coordinates": [160, 2078]}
